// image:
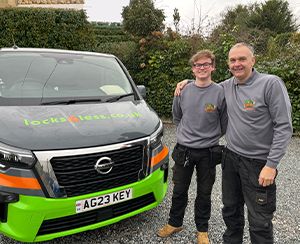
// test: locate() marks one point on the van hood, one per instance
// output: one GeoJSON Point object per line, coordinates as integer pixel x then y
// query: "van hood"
{"type": "Point", "coordinates": [75, 126]}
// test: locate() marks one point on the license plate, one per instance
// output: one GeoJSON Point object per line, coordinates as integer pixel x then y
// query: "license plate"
{"type": "Point", "coordinates": [103, 200]}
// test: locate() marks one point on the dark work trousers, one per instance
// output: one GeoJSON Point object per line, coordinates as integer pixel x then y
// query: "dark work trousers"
{"type": "Point", "coordinates": [240, 185]}
{"type": "Point", "coordinates": [206, 173]}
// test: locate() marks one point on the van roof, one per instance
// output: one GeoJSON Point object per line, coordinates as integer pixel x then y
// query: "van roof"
{"type": "Point", "coordinates": [50, 50]}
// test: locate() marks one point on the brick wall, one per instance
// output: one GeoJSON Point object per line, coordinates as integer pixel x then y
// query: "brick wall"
{"type": "Point", "coordinates": [8, 3]}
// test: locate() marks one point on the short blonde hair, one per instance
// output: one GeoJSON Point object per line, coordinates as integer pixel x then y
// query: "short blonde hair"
{"type": "Point", "coordinates": [203, 54]}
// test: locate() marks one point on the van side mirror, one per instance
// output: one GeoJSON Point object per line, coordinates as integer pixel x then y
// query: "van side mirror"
{"type": "Point", "coordinates": [142, 90]}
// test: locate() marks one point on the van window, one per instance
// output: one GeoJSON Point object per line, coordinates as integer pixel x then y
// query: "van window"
{"type": "Point", "coordinates": [38, 76]}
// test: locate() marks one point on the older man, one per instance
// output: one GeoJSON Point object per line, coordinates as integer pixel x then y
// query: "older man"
{"type": "Point", "coordinates": [259, 130]}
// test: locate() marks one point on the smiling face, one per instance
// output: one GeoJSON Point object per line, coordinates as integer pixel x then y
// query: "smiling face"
{"type": "Point", "coordinates": [202, 69]}
{"type": "Point", "coordinates": [241, 61]}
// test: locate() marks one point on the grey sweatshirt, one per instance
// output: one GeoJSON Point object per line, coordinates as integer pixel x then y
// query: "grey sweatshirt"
{"type": "Point", "coordinates": [259, 117]}
{"type": "Point", "coordinates": [200, 115]}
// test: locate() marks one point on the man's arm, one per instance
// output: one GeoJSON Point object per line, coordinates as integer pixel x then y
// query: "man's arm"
{"type": "Point", "coordinates": [280, 111]}
{"type": "Point", "coordinates": [223, 117]}
{"type": "Point", "coordinates": [180, 85]}
{"type": "Point", "coordinates": [176, 110]}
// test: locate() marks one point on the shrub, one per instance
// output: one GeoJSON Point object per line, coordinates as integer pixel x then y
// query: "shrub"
{"type": "Point", "coordinates": [46, 28]}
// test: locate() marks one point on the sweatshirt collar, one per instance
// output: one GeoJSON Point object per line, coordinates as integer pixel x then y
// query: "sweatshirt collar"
{"type": "Point", "coordinates": [249, 81]}
{"type": "Point", "coordinates": [203, 87]}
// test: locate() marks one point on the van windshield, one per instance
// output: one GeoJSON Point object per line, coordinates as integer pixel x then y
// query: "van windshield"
{"type": "Point", "coordinates": [37, 78]}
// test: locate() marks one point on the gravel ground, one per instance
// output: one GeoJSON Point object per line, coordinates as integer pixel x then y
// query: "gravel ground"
{"type": "Point", "coordinates": [142, 228]}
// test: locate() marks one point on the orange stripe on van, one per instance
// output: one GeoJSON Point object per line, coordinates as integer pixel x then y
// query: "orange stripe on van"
{"type": "Point", "coordinates": [159, 157]}
{"type": "Point", "coordinates": [19, 182]}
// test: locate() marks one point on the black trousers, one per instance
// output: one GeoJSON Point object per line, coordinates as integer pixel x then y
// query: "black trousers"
{"type": "Point", "coordinates": [240, 186]}
{"type": "Point", "coordinates": [206, 173]}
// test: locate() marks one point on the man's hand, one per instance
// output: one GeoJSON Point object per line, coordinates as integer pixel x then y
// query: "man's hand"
{"type": "Point", "coordinates": [179, 87]}
{"type": "Point", "coordinates": [267, 176]}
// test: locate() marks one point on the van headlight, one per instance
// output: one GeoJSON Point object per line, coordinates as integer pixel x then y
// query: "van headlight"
{"type": "Point", "coordinates": [16, 157]}
{"type": "Point", "coordinates": [156, 139]}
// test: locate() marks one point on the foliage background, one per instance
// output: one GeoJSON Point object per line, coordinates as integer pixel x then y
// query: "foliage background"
{"type": "Point", "coordinates": [159, 59]}
{"type": "Point", "coordinates": [46, 28]}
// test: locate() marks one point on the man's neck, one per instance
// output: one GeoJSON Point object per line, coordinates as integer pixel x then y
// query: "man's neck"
{"type": "Point", "coordinates": [243, 81]}
{"type": "Point", "coordinates": [203, 83]}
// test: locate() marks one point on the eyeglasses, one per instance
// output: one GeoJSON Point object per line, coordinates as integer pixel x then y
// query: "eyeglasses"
{"type": "Point", "coordinates": [204, 65]}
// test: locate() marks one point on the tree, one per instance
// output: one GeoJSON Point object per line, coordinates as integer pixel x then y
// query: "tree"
{"type": "Point", "coordinates": [176, 19]}
{"type": "Point", "coordinates": [273, 15]}
{"type": "Point", "coordinates": [140, 18]}
{"type": "Point", "coordinates": [256, 23]}
{"type": "Point", "coordinates": [233, 20]}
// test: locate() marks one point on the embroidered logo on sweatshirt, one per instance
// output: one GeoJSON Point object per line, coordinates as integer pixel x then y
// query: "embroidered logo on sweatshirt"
{"type": "Point", "coordinates": [249, 104]}
{"type": "Point", "coordinates": [209, 107]}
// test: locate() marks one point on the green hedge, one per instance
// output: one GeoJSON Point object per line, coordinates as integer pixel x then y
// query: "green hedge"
{"type": "Point", "coordinates": [109, 32]}
{"type": "Point", "coordinates": [46, 28]}
{"type": "Point", "coordinates": [159, 66]}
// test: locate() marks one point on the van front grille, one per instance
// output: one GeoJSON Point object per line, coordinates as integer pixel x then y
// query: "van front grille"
{"type": "Point", "coordinates": [95, 216]}
{"type": "Point", "coordinates": [77, 174]}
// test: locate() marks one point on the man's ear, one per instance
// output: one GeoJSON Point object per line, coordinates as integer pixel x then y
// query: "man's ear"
{"type": "Point", "coordinates": [253, 60]}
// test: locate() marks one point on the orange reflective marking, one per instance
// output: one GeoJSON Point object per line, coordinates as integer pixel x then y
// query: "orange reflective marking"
{"type": "Point", "coordinates": [159, 157]}
{"type": "Point", "coordinates": [19, 182]}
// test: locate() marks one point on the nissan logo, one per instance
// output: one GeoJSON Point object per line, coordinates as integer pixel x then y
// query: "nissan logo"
{"type": "Point", "coordinates": [104, 165]}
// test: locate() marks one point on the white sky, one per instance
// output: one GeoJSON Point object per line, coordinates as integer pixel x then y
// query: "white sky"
{"type": "Point", "coordinates": [110, 11]}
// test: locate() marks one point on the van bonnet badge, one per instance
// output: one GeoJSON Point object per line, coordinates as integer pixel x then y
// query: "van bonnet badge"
{"type": "Point", "coordinates": [104, 165]}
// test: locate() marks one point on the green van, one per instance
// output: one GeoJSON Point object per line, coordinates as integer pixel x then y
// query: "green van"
{"type": "Point", "coordinates": [79, 146]}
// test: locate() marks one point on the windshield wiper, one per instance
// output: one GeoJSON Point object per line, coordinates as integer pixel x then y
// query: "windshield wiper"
{"type": "Point", "coordinates": [72, 101]}
{"type": "Point", "coordinates": [116, 98]}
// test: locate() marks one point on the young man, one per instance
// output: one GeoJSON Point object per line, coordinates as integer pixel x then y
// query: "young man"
{"type": "Point", "coordinates": [259, 130]}
{"type": "Point", "coordinates": [200, 116]}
